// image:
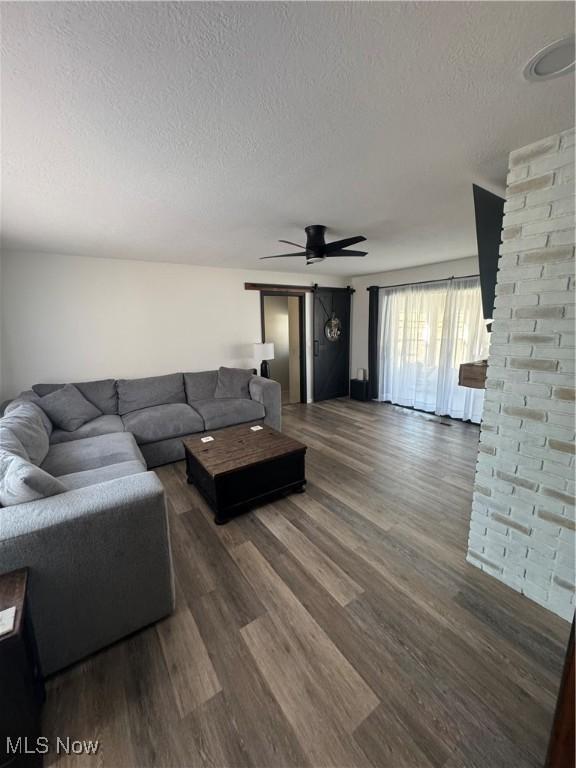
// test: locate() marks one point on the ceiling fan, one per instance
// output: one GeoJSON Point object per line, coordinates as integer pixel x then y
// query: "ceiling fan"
{"type": "Point", "coordinates": [317, 249]}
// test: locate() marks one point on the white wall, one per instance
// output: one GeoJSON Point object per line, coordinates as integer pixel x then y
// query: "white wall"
{"type": "Point", "coordinates": [439, 271]}
{"type": "Point", "coordinates": [69, 318]}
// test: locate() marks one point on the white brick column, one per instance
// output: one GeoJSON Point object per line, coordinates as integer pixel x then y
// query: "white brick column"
{"type": "Point", "coordinates": [522, 529]}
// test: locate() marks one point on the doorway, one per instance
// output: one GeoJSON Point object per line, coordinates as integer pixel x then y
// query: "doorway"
{"type": "Point", "coordinates": [283, 325]}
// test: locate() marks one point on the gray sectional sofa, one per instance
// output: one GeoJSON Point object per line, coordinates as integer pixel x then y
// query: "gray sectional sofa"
{"type": "Point", "coordinates": [160, 410]}
{"type": "Point", "coordinates": [80, 508]}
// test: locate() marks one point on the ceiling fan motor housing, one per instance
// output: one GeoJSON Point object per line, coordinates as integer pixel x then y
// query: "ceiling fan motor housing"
{"type": "Point", "coordinates": [315, 237]}
{"type": "Point", "coordinates": [315, 243]}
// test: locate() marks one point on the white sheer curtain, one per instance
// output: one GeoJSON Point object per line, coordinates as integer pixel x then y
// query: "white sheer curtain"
{"type": "Point", "coordinates": [426, 332]}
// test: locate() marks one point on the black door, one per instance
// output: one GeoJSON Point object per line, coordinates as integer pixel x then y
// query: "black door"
{"type": "Point", "coordinates": [331, 343]}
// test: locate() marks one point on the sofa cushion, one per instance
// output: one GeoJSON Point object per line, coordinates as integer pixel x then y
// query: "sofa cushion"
{"type": "Point", "coordinates": [200, 385]}
{"type": "Point", "coordinates": [91, 453]}
{"type": "Point", "coordinates": [233, 382]}
{"type": "Point", "coordinates": [102, 474]}
{"type": "Point", "coordinates": [136, 394]}
{"type": "Point", "coordinates": [101, 393]}
{"type": "Point", "coordinates": [68, 408]}
{"type": "Point", "coordinates": [163, 452]}
{"type": "Point", "coordinates": [28, 396]}
{"type": "Point", "coordinates": [10, 443]}
{"type": "Point", "coordinates": [25, 423]}
{"type": "Point", "coordinates": [103, 425]}
{"type": "Point", "coordinates": [22, 481]}
{"type": "Point", "coordinates": [223, 412]}
{"type": "Point", "coordinates": [163, 421]}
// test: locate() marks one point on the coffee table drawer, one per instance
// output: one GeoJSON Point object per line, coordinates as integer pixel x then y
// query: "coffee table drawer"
{"type": "Point", "coordinates": [272, 476]}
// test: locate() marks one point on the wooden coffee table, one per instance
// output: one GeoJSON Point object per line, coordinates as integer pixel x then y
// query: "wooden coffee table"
{"type": "Point", "coordinates": [240, 467]}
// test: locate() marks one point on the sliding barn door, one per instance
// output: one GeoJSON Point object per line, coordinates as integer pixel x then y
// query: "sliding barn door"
{"type": "Point", "coordinates": [331, 343]}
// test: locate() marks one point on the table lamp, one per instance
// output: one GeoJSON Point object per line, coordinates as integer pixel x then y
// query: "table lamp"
{"type": "Point", "coordinates": [264, 352]}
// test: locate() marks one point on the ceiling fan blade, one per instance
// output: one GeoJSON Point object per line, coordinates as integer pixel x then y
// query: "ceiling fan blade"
{"type": "Point", "coordinates": [289, 242]}
{"type": "Point", "coordinates": [347, 253]}
{"type": "Point", "coordinates": [337, 245]}
{"type": "Point", "coordinates": [284, 255]}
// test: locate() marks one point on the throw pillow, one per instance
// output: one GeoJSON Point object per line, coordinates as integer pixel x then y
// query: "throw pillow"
{"type": "Point", "coordinates": [68, 408]}
{"type": "Point", "coordinates": [233, 382]}
{"type": "Point", "coordinates": [25, 423]}
{"type": "Point", "coordinates": [101, 393]}
{"type": "Point", "coordinates": [21, 481]}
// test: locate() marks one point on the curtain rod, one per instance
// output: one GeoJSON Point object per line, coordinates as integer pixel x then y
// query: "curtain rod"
{"type": "Point", "coordinates": [422, 282]}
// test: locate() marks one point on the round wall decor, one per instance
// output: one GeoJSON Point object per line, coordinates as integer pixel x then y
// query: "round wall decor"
{"type": "Point", "coordinates": [333, 328]}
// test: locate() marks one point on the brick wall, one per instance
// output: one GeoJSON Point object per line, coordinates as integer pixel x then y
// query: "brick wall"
{"type": "Point", "coordinates": [522, 529]}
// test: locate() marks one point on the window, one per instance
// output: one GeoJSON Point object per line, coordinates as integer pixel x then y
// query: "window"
{"type": "Point", "coordinates": [426, 331]}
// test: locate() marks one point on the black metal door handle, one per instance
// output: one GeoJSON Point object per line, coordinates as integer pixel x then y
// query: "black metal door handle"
{"type": "Point", "coordinates": [316, 347]}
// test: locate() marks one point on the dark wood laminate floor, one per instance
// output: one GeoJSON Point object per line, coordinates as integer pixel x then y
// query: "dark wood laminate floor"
{"type": "Point", "coordinates": [339, 627]}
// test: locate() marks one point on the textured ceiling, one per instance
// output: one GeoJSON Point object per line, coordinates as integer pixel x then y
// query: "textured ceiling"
{"type": "Point", "coordinates": [203, 132]}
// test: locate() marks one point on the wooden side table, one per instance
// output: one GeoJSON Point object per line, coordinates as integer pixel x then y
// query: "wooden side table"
{"type": "Point", "coordinates": [21, 684]}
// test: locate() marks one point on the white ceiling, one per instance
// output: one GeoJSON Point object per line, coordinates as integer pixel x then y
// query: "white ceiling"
{"type": "Point", "coordinates": [203, 132]}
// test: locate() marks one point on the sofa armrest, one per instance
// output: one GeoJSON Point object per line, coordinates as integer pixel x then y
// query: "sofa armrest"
{"type": "Point", "coordinates": [99, 560]}
{"type": "Point", "coordinates": [269, 393]}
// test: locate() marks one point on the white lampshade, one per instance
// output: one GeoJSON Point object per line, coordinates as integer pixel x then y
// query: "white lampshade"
{"type": "Point", "coordinates": [264, 351]}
